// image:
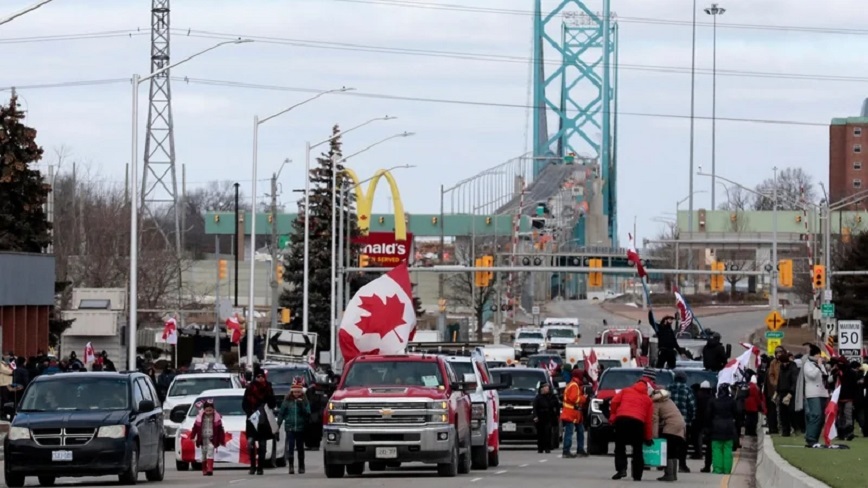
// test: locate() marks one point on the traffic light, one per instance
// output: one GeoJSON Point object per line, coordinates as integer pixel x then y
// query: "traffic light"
{"type": "Point", "coordinates": [717, 279]}
{"type": "Point", "coordinates": [434, 220]}
{"type": "Point", "coordinates": [270, 218]}
{"type": "Point", "coordinates": [487, 220]}
{"type": "Point", "coordinates": [364, 260]}
{"type": "Point", "coordinates": [381, 219]}
{"type": "Point", "coordinates": [819, 276]}
{"type": "Point", "coordinates": [785, 273]}
{"type": "Point", "coordinates": [595, 278]}
{"type": "Point", "coordinates": [441, 304]}
{"type": "Point", "coordinates": [216, 218]}
{"type": "Point", "coordinates": [278, 273]}
{"type": "Point", "coordinates": [221, 269]}
{"type": "Point", "coordinates": [284, 316]}
{"type": "Point", "coordinates": [798, 219]}
{"type": "Point", "coordinates": [483, 278]}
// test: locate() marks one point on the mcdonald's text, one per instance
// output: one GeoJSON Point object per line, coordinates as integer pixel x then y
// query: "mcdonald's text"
{"type": "Point", "coordinates": [383, 249]}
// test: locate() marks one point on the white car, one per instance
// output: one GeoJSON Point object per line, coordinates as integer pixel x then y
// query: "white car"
{"type": "Point", "coordinates": [485, 434]}
{"type": "Point", "coordinates": [528, 342]}
{"type": "Point", "coordinates": [185, 388]}
{"type": "Point", "coordinates": [227, 402]}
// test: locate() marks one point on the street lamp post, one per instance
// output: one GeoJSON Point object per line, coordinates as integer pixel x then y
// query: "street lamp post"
{"type": "Point", "coordinates": [714, 11]}
{"type": "Point", "coordinates": [132, 328]}
{"type": "Point", "coordinates": [692, 132]}
{"type": "Point", "coordinates": [251, 318]}
{"type": "Point", "coordinates": [333, 316]}
{"type": "Point", "coordinates": [305, 292]}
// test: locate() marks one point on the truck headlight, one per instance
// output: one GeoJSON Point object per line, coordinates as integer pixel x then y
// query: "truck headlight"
{"type": "Point", "coordinates": [112, 432]}
{"type": "Point", "coordinates": [478, 411]}
{"type": "Point", "coordinates": [337, 406]}
{"type": "Point", "coordinates": [439, 418]}
{"type": "Point", "coordinates": [437, 405]}
{"type": "Point", "coordinates": [19, 433]}
{"type": "Point", "coordinates": [595, 405]}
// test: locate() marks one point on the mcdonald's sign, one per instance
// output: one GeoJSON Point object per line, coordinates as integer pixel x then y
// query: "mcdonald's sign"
{"type": "Point", "coordinates": [365, 202]}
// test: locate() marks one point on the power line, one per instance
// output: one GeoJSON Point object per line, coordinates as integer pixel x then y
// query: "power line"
{"type": "Point", "coordinates": [637, 20]}
{"type": "Point", "coordinates": [468, 56]}
{"type": "Point", "coordinates": [74, 37]}
{"type": "Point", "coordinates": [66, 84]}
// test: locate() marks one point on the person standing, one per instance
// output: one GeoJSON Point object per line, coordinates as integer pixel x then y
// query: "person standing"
{"type": "Point", "coordinates": [753, 405]}
{"type": "Point", "coordinates": [631, 414]}
{"type": "Point", "coordinates": [770, 386]}
{"type": "Point", "coordinates": [714, 354]}
{"type": "Point", "coordinates": [721, 415]}
{"type": "Point", "coordinates": [786, 390]}
{"type": "Point", "coordinates": [545, 418]}
{"type": "Point", "coordinates": [294, 414]}
{"type": "Point", "coordinates": [667, 342]}
{"type": "Point", "coordinates": [811, 394]}
{"type": "Point", "coordinates": [703, 403]}
{"type": "Point", "coordinates": [668, 423]}
{"type": "Point", "coordinates": [258, 397]}
{"type": "Point", "coordinates": [683, 398]}
{"type": "Point", "coordinates": [208, 435]}
{"type": "Point", "coordinates": [571, 414]}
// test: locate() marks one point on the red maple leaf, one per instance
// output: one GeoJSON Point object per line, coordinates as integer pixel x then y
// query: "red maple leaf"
{"type": "Point", "coordinates": [385, 316]}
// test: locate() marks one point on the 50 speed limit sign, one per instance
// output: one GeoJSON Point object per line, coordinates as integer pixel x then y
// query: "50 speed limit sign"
{"type": "Point", "coordinates": [850, 338]}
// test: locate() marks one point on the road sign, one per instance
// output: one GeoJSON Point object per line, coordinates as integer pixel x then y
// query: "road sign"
{"type": "Point", "coordinates": [290, 344]}
{"type": "Point", "coordinates": [534, 310]}
{"type": "Point", "coordinates": [828, 310]}
{"type": "Point", "coordinates": [827, 295]}
{"type": "Point", "coordinates": [775, 335]}
{"type": "Point", "coordinates": [771, 345]}
{"type": "Point", "coordinates": [774, 321]}
{"type": "Point", "coordinates": [850, 339]}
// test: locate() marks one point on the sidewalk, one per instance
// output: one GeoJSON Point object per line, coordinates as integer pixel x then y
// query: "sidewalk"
{"type": "Point", "coordinates": [744, 469]}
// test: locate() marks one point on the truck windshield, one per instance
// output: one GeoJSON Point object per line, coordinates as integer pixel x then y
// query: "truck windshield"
{"type": "Point", "coordinates": [194, 386]}
{"type": "Point", "coordinates": [224, 405]}
{"type": "Point", "coordinates": [79, 394]}
{"type": "Point", "coordinates": [530, 336]}
{"type": "Point", "coordinates": [522, 379]}
{"type": "Point", "coordinates": [562, 333]}
{"type": "Point", "coordinates": [620, 378]}
{"type": "Point", "coordinates": [387, 373]}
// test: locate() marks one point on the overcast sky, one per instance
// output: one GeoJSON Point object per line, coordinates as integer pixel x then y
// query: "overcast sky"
{"type": "Point", "coordinates": [316, 48]}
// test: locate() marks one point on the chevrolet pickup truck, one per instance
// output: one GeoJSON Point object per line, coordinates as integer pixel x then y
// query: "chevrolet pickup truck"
{"type": "Point", "coordinates": [395, 409]}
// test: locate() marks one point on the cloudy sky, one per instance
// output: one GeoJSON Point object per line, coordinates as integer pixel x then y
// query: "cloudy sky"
{"type": "Point", "coordinates": [785, 69]}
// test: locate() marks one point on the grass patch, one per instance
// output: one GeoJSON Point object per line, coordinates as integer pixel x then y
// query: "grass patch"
{"type": "Point", "coordinates": [838, 468]}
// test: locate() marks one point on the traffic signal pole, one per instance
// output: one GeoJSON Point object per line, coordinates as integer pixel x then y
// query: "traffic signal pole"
{"type": "Point", "coordinates": [775, 264]}
{"type": "Point", "coordinates": [275, 296]}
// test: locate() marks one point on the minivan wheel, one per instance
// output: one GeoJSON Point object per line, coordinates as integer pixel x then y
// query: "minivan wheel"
{"type": "Point", "coordinates": [14, 480]}
{"type": "Point", "coordinates": [46, 480]}
{"type": "Point", "coordinates": [159, 471]}
{"type": "Point", "coordinates": [131, 475]}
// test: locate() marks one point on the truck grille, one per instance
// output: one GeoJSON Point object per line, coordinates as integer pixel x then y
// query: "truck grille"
{"type": "Point", "coordinates": [63, 437]}
{"type": "Point", "coordinates": [379, 406]}
{"type": "Point", "coordinates": [375, 419]}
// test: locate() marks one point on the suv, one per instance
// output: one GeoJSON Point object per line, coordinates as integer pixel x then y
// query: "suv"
{"type": "Point", "coordinates": [183, 391]}
{"type": "Point", "coordinates": [485, 450]}
{"type": "Point", "coordinates": [528, 342]}
{"type": "Point", "coordinates": [86, 424]}
{"type": "Point", "coordinates": [516, 402]}
{"type": "Point", "coordinates": [394, 409]}
{"type": "Point", "coordinates": [611, 382]}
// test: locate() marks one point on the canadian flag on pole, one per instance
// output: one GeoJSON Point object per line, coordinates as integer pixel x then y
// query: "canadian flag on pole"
{"type": "Point", "coordinates": [633, 257]}
{"type": "Point", "coordinates": [830, 431]}
{"type": "Point", "coordinates": [592, 367]}
{"type": "Point", "coordinates": [380, 318]}
{"type": "Point", "coordinates": [89, 354]}
{"type": "Point", "coordinates": [170, 331]}
{"type": "Point", "coordinates": [233, 329]}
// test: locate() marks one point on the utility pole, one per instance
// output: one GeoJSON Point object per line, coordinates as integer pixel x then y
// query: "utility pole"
{"type": "Point", "coordinates": [775, 302]}
{"type": "Point", "coordinates": [236, 250]}
{"type": "Point", "coordinates": [274, 264]}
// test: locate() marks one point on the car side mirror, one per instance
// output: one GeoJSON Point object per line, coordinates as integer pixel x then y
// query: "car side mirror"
{"type": "Point", "coordinates": [178, 414]}
{"type": "Point", "coordinates": [505, 383]}
{"type": "Point", "coordinates": [146, 405]}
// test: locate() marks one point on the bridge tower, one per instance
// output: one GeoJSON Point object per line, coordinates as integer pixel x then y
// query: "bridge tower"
{"type": "Point", "coordinates": [581, 94]}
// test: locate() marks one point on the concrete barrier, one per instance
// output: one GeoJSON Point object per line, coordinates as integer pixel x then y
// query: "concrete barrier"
{"type": "Point", "coordinates": [772, 471]}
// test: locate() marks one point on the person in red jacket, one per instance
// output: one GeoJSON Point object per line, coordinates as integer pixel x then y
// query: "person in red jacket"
{"type": "Point", "coordinates": [631, 414]}
{"type": "Point", "coordinates": [753, 405]}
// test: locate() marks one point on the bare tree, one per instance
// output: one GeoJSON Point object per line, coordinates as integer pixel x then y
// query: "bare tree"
{"type": "Point", "coordinates": [737, 260]}
{"type": "Point", "coordinates": [462, 287]}
{"type": "Point", "coordinates": [793, 184]}
{"type": "Point", "coordinates": [737, 199]}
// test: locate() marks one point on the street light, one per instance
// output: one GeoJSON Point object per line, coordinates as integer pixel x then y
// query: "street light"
{"type": "Point", "coordinates": [26, 10]}
{"type": "Point", "coordinates": [251, 320]}
{"type": "Point", "coordinates": [692, 131]}
{"type": "Point", "coordinates": [305, 292]}
{"type": "Point", "coordinates": [134, 201]}
{"type": "Point", "coordinates": [714, 11]}
{"type": "Point", "coordinates": [334, 302]}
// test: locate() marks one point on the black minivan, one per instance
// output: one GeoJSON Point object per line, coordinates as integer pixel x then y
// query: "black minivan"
{"type": "Point", "coordinates": [86, 424]}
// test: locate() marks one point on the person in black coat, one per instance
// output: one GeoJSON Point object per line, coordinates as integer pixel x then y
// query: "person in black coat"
{"type": "Point", "coordinates": [545, 417]}
{"type": "Point", "coordinates": [720, 420]}
{"type": "Point", "coordinates": [786, 393]}
{"type": "Point", "coordinates": [667, 343]}
{"type": "Point", "coordinates": [702, 441]}
{"type": "Point", "coordinates": [258, 396]}
{"type": "Point", "coordinates": [714, 354]}
{"type": "Point", "coordinates": [313, 430]}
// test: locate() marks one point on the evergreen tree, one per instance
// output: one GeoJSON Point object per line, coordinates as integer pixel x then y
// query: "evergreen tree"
{"type": "Point", "coordinates": [319, 266]}
{"type": "Point", "coordinates": [24, 226]}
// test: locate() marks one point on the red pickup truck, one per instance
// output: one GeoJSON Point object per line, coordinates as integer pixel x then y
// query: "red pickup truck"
{"type": "Point", "coordinates": [389, 410]}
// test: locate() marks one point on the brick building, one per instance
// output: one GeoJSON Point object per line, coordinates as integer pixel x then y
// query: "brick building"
{"type": "Point", "coordinates": [26, 299]}
{"type": "Point", "coordinates": [848, 156]}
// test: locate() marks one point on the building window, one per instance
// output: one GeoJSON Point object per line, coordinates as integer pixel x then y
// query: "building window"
{"type": "Point", "coordinates": [857, 148]}
{"type": "Point", "coordinates": [857, 131]}
{"type": "Point", "coordinates": [857, 183]}
{"type": "Point", "coordinates": [857, 165]}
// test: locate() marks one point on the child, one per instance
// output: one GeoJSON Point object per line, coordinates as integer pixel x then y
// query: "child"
{"type": "Point", "coordinates": [294, 412]}
{"type": "Point", "coordinates": [208, 434]}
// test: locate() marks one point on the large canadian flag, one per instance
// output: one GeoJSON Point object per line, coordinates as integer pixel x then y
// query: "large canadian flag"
{"type": "Point", "coordinates": [734, 370]}
{"type": "Point", "coordinates": [380, 318]}
{"type": "Point", "coordinates": [170, 331]}
{"type": "Point", "coordinates": [233, 329]}
{"type": "Point", "coordinates": [592, 367]}
{"type": "Point", "coordinates": [830, 430]}
{"type": "Point", "coordinates": [633, 257]}
{"type": "Point", "coordinates": [89, 354]}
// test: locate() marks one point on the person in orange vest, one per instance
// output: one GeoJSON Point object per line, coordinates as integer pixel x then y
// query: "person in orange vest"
{"type": "Point", "coordinates": [571, 414]}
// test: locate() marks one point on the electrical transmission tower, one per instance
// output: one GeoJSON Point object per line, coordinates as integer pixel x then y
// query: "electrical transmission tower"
{"type": "Point", "coordinates": [159, 183]}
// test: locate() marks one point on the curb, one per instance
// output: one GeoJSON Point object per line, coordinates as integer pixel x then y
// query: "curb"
{"type": "Point", "coordinates": [772, 471]}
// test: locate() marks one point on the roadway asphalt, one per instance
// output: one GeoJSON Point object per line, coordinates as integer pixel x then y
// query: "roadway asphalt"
{"type": "Point", "coordinates": [520, 467]}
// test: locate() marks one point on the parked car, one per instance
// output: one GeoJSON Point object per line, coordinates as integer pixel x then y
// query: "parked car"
{"type": "Point", "coordinates": [227, 402]}
{"type": "Point", "coordinates": [86, 424]}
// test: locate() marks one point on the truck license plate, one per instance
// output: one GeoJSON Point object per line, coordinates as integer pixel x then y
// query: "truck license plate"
{"type": "Point", "coordinates": [61, 455]}
{"type": "Point", "coordinates": [387, 453]}
{"type": "Point", "coordinates": [509, 427]}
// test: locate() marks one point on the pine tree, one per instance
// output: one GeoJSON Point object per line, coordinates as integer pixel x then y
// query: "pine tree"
{"type": "Point", "coordinates": [319, 266]}
{"type": "Point", "coordinates": [24, 226]}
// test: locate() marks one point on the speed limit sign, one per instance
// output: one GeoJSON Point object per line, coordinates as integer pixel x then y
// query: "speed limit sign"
{"type": "Point", "coordinates": [850, 339]}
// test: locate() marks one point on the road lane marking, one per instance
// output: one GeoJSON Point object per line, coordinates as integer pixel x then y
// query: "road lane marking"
{"type": "Point", "coordinates": [474, 480]}
{"type": "Point", "coordinates": [500, 472]}
{"type": "Point", "coordinates": [724, 483]}
{"type": "Point", "coordinates": [523, 466]}
{"type": "Point", "coordinates": [237, 481]}
{"type": "Point", "coordinates": [543, 460]}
